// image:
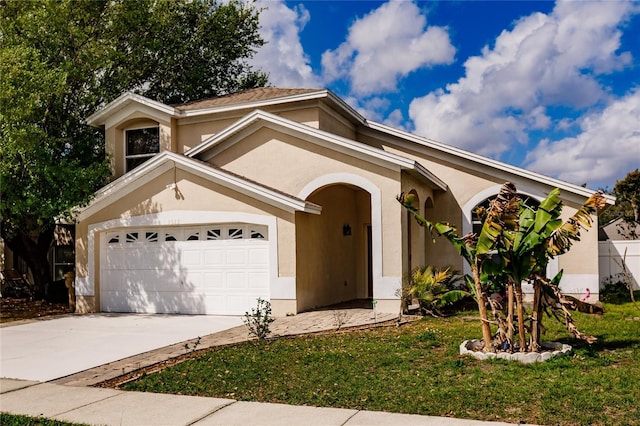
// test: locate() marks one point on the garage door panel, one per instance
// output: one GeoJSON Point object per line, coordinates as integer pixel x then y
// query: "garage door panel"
{"type": "Point", "coordinates": [258, 280]}
{"type": "Point", "coordinates": [193, 280]}
{"type": "Point", "coordinates": [216, 303]}
{"type": "Point", "coordinates": [192, 257]}
{"type": "Point", "coordinates": [214, 281]}
{"type": "Point", "coordinates": [237, 280]}
{"type": "Point", "coordinates": [258, 256]}
{"type": "Point", "coordinates": [214, 257]}
{"type": "Point", "coordinates": [238, 303]}
{"type": "Point", "coordinates": [114, 259]}
{"type": "Point", "coordinates": [236, 256]}
{"type": "Point", "coordinates": [112, 280]}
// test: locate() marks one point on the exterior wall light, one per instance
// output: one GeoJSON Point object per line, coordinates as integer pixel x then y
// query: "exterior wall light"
{"type": "Point", "coordinates": [346, 230]}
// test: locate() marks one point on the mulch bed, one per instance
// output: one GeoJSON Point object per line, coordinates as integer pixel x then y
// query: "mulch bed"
{"type": "Point", "coordinates": [12, 309]}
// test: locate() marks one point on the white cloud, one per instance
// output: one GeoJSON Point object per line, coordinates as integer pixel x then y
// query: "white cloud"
{"type": "Point", "coordinates": [385, 45]}
{"type": "Point", "coordinates": [283, 56]}
{"type": "Point", "coordinates": [546, 60]}
{"type": "Point", "coordinates": [607, 148]}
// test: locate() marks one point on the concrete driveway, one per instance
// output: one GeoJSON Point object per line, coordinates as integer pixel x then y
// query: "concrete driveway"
{"type": "Point", "coordinates": [50, 349]}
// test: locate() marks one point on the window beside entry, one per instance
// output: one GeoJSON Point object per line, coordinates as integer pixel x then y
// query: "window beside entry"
{"type": "Point", "coordinates": [141, 145]}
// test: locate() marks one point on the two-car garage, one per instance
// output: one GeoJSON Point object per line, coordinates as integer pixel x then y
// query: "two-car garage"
{"type": "Point", "coordinates": [217, 269]}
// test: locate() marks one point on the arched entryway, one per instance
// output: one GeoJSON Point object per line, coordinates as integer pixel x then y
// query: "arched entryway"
{"type": "Point", "coordinates": [334, 257]}
{"type": "Point", "coordinates": [415, 237]}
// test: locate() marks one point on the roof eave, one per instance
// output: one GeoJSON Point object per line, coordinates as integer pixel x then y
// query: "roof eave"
{"type": "Point", "coordinates": [161, 163]}
{"type": "Point", "coordinates": [98, 118]}
{"type": "Point", "coordinates": [466, 155]}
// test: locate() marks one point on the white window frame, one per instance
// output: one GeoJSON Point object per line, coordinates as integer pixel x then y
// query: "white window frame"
{"type": "Point", "coordinates": [146, 156]}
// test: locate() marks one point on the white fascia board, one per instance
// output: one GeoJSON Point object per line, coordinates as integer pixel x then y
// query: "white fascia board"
{"type": "Point", "coordinates": [166, 161]}
{"type": "Point", "coordinates": [99, 118]}
{"type": "Point", "coordinates": [469, 157]}
{"type": "Point", "coordinates": [346, 146]}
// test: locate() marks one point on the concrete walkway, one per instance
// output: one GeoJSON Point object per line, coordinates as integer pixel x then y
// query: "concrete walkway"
{"type": "Point", "coordinates": [72, 398]}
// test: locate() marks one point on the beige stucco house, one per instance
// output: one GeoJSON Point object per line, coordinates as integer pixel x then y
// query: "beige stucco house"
{"type": "Point", "coordinates": [284, 194]}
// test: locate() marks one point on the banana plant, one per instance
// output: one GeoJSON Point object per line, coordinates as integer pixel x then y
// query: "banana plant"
{"type": "Point", "coordinates": [515, 244]}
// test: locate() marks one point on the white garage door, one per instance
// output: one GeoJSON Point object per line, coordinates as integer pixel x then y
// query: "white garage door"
{"type": "Point", "coordinates": [215, 269]}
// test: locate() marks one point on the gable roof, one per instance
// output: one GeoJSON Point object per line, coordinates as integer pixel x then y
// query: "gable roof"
{"type": "Point", "coordinates": [166, 161]}
{"type": "Point", "coordinates": [259, 119]}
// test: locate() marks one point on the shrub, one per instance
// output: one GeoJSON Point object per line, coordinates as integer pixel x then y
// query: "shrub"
{"type": "Point", "coordinates": [615, 290]}
{"type": "Point", "coordinates": [259, 319]}
{"type": "Point", "coordinates": [436, 289]}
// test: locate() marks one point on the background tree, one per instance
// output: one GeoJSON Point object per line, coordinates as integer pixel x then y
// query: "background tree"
{"type": "Point", "coordinates": [61, 60]}
{"type": "Point", "coordinates": [627, 192]}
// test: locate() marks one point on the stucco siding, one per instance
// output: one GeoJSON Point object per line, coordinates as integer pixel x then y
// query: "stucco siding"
{"type": "Point", "coordinates": [193, 131]}
{"type": "Point", "coordinates": [330, 121]}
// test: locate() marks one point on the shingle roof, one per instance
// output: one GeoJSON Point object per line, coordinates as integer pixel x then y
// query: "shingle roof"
{"type": "Point", "coordinates": [251, 95]}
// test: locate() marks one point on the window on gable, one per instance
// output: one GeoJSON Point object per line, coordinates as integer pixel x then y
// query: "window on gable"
{"type": "Point", "coordinates": [141, 145]}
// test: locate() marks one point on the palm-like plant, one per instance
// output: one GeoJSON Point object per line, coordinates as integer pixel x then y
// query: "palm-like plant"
{"type": "Point", "coordinates": [514, 245]}
{"type": "Point", "coordinates": [433, 288]}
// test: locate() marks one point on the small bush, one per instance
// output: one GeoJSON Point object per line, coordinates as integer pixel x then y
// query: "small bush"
{"type": "Point", "coordinates": [437, 290]}
{"type": "Point", "coordinates": [615, 290]}
{"type": "Point", "coordinates": [259, 320]}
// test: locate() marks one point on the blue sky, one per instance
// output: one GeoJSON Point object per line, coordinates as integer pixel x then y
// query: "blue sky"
{"type": "Point", "coordinates": [553, 87]}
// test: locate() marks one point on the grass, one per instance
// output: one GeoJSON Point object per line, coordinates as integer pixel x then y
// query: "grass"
{"type": "Point", "coordinates": [7, 419]}
{"type": "Point", "coordinates": [416, 369]}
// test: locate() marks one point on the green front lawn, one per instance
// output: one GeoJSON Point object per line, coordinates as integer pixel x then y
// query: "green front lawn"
{"type": "Point", "coordinates": [416, 369]}
{"type": "Point", "coordinates": [7, 419]}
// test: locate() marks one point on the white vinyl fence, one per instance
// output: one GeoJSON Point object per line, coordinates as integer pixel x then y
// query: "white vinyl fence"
{"type": "Point", "coordinates": [611, 253]}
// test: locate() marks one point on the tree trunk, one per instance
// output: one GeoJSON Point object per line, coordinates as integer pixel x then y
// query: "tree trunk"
{"type": "Point", "coordinates": [482, 309]}
{"type": "Point", "coordinates": [510, 327]}
{"type": "Point", "coordinates": [536, 317]}
{"type": "Point", "coordinates": [36, 255]}
{"type": "Point", "coordinates": [520, 308]}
